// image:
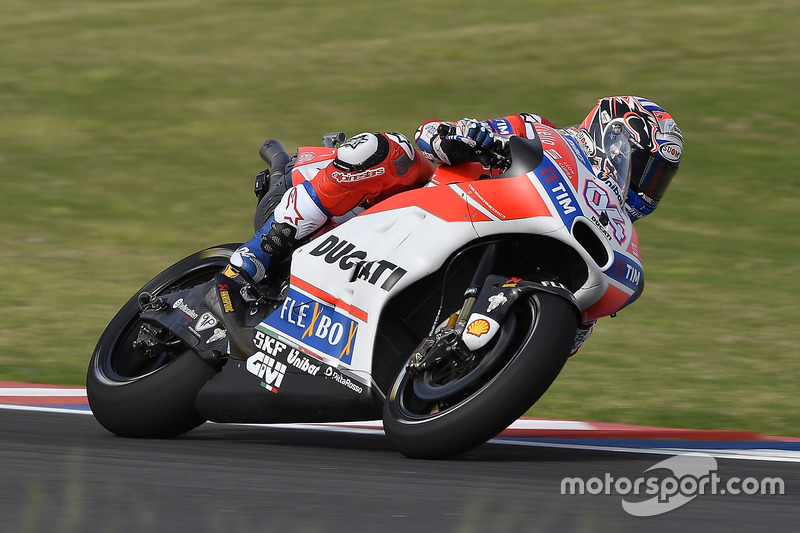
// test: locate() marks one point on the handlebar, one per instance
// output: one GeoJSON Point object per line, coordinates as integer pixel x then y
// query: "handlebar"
{"type": "Point", "coordinates": [496, 157]}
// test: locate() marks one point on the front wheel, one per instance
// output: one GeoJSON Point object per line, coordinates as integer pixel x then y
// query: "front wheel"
{"type": "Point", "coordinates": [150, 393]}
{"type": "Point", "coordinates": [525, 358]}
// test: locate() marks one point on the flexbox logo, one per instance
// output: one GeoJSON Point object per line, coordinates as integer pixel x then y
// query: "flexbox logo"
{"type": "Point", "coordinates": [673, 482]}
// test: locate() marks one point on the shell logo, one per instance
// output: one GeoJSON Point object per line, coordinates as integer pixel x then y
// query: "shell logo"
{"type": "Point", "coordinates": [229, 272]}
{"type": "Point", "coordinates": [478, 327]}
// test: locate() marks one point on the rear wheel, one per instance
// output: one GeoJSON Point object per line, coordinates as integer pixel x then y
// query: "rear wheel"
{"type": "Point", "coordinates": [138, 392]}
{"type": "Point", "coordinates": [450, 408]}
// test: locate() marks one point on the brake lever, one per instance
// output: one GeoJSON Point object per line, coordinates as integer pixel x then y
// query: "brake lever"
{"type": "Point", "coordinates": [472, 143]}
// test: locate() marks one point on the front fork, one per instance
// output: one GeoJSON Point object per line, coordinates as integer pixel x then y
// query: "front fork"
{"type": "Point", "coordinates": [444, 340]}
{"type": "Point", "coordinates": [487, 302]}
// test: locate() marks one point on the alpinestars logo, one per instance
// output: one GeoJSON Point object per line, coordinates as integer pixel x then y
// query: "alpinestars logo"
{"type": "Point", "coordinates": [268, 369]}
{"type": "Point", "coordinates": [348, 177]}
{"type": "Point", "coordinates": [291, 207]}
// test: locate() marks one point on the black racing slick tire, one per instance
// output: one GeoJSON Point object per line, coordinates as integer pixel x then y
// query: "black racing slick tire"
{"type": "Point", "coordinates": [151, 395]}
{"type": "Point", "coordinates": [535, 342]}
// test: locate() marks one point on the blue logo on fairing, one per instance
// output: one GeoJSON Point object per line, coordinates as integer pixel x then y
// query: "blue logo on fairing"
{"type": "Point", "coordinates": [501, 126]}
{"type": "Point", "coordinates": [625, 271]}
{"type": "Point", "coordinates": [559, 190]}
{"type": "Point", "coordinates": [316, 324]}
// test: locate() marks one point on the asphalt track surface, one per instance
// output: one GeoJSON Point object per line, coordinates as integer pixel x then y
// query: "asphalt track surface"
{"type": "Point", "coordinates": [64, 473]}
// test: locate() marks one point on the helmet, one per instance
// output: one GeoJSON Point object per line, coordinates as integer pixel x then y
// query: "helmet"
{"type": "Point", "coordinates": [638, 143]}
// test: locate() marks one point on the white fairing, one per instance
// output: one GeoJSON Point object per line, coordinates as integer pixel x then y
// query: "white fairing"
{"type": "Point", "coordinates": [343, 279]}
{"type": "Point", "coordinates": [399, 241]}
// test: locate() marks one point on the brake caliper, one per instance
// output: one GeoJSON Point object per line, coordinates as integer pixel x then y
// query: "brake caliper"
{"type": "Point", "coordinates": [434, 348]}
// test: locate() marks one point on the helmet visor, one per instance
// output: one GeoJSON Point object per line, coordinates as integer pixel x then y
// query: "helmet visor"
{"type": "Point", "coordinates": [651, 175]}
{"type": "Point", "coordinates": [618, 155]}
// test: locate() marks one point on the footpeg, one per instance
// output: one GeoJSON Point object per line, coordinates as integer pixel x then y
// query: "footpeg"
{"type": "Point", "coordinates": [147, 302]}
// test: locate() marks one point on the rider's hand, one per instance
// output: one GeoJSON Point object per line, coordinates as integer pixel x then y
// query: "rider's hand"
{"type": "Point", "coordinates": [470, 140]}
{"type": "Point", "coordinates": [480, 132]}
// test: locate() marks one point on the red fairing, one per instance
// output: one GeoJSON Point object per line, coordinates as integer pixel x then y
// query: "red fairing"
{"type": "Point", "coordinates": [443, 202]}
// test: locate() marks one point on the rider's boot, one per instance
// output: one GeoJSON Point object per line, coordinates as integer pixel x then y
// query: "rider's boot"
{"type": "Point", "coordinates": [297, 215]}
{"type": "Point", "coordinates": [274, 241]}
{"type": "Point", "coordinates": [581, 334]}
{"type": "Point", "coordinates": [235, 289]}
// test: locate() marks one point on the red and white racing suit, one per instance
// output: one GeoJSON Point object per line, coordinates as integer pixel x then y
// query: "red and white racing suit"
{"type": "Point", "coordinates": [368, 168]}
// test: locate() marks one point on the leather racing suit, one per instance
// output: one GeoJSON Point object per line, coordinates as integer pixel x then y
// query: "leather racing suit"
{"type": "Point", "coordinates": [369, 167]}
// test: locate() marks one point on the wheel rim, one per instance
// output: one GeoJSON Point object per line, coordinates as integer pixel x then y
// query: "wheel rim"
{"type": "Point", "coordinates": [120, 362]}
{"type": "Point", "coordinates": [430, 395]}
{"type": "Point", "coordinates": [446, 380]}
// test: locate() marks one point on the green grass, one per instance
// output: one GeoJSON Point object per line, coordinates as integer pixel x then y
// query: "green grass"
{"type": "Point", "coordinates": [129, 135]}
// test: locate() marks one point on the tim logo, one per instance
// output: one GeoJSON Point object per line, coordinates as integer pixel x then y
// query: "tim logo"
{"type": "Point", "coordinates": [502, 126]}
{"type": "Point", "coordinates": [627, 272]}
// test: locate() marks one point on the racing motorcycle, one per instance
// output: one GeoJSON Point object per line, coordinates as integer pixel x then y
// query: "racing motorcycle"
{"type": "Point", "coordinates": [446, 310]}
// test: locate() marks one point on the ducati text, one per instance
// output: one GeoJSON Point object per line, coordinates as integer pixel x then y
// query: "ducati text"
{"type": "Point", "coordinates": [381, 273]}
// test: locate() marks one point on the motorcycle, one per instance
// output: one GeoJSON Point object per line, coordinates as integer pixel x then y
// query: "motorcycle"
{"type": "Point", "coordinates": [446, 310]}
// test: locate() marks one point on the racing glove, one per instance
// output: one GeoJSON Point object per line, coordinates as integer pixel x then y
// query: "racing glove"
{"type": "Point", "coordinates": [483, 134]}
{"type": "Point", "coordinates": [470, 140]}
{"type": "Point", "coordinates": [480, 132]}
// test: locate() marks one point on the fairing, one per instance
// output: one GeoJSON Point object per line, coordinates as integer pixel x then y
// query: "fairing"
{"type": "Point", "coordinates": [344, 279]}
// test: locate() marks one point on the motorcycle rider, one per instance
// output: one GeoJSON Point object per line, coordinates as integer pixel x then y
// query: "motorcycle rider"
{"type": "Point", "coordinates": [655, 139]}
{"type": "Point", "coordinates": [367, 168]}
{"type": "Point", "coordinates": [371, 166]}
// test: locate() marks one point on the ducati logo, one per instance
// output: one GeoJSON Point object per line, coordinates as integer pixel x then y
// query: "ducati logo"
{"type": "Point", "coordinates": [381, 273]}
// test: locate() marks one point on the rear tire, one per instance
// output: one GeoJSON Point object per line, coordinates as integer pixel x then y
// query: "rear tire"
{"type": "Point", "coordinates": [133, 394]}
{"type": "Point", "coordinates": [535, 341]}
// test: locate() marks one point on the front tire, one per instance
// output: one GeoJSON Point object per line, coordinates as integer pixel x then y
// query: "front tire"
{"type": "Point", "coordinates": [535, 342]}
{"type": "Point", "coordinates": [151, 395]}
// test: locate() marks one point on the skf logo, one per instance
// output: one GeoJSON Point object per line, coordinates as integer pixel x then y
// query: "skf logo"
{"type": "Point", "coordinates": [268, 369]}
{"type": "Point", "coordinates": [274, 347]}
{"type": "Point", "coordinates": [478, 327]}
{"type": "Point", "coordinates": [225, 296]}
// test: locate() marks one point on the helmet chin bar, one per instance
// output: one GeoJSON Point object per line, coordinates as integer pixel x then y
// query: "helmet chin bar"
{"type": "Point", "coordinates": [639, 205]}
